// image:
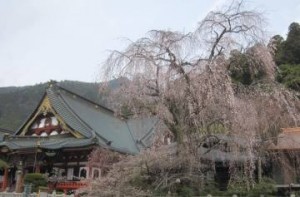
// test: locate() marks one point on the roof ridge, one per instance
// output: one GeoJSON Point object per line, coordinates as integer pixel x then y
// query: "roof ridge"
{"type": "Point", "coordinates": [83, 98]}
{"type": "Point", "coordinates": [290, 129]}
{"type": "Point", "coordinates": [149, 131]}
{"type": "Point", "coordinates": [134, 140]}
{"type": "Point", "coordinates": [72, 112]}
{"type": "Point", "coordinates": [80, 120]}
{"type": "Point", "coordinates": [3, 130]}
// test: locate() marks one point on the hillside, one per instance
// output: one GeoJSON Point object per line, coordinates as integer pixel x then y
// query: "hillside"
{"type": "Point", "coordinates": [17, 103]}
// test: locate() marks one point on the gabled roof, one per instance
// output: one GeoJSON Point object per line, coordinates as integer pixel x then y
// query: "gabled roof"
{"type": "Point", "coordinates": [288, 139]}
{"type": "Point", "coordinates": [95, 123]}
{"type": "Point", "coordinates": [97, 120]}
{"type": "Point", "coordinates": [62, 108]}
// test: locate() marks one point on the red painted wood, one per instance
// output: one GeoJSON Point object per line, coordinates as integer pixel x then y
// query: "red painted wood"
{"type": "Point", "coordinates": [70, 185]}
{"type": "Point", "coordinates": [5, 179]}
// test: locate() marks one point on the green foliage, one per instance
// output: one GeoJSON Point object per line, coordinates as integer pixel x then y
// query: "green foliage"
{"type": "Point", "coordinates": [3, 164]}
{"type": "Point", "coordinates": [288, 51]}
{"type": "Point", "coordinates": [160, 192]}
{"type": "Point", "coordinates": [36, 179]}
{"type": "Point", "coordinates": [277, 43]}
{"type": "Point", "coordinates": [244, 68]}
{"type": "Point", "coordinates": [287, 57]}
{"type": "Point", "coordinates": [126, 111]}
{"type": "Point", "coordinates": [266, 187]}
{"type": "Point", "coordinates": [177, 189]}
{"type": "Point", "coordinates": [216, 128]}
{"type": "Point", "coordinates": [140, 182]}
{"type": "Point", "coordinates": [238, 188]}
{"type": "Point", "coordinates": [212, 189]}
{"type": "Point", "coordinates": [289, 75]}
{"type": "Point", "coordinates": [186, 191]}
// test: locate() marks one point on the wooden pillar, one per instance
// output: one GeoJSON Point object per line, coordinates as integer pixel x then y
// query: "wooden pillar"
{"type": "Point", "coordinates": [37, 168]}
{"type": "Point", "coordinates": [5, 179]}
{"type": "Point", "coordinates": [19, 181]}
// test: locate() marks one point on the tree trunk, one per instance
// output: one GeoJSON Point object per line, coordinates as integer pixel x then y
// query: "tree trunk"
{"type": "Point", "coordinates": [259, 169]}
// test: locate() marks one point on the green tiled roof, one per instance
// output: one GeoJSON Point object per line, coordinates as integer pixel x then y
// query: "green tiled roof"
{"type": "Point", "coordinates": [95, 123]}
{"type": "Point", "coordinates": [16, 143]}
{"type": "Point", "coordinates": [143, 130]}
{"type": "Point", "coordinates": [102, 122]}
{"type": "Point", "coordinates": [62, 108]}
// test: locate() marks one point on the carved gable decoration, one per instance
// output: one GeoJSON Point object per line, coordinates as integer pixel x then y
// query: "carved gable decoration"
{"type": "Point", "coordinates": [46, 125]}
{"type": "Point", "coordinates": [46, 122]}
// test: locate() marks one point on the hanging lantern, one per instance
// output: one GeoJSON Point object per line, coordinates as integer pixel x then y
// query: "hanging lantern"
{"type": "Point", "coordinates": [4, 149]}
{"type": "Point", "coordinates": [50, 153]}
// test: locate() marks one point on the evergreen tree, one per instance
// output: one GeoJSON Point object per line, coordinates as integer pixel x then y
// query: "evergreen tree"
{"type": "Point", "coordinates": [275, 45]}
{"type": "Point", "coordinates": [287, 57]}
{"type": "Point", "coordinates": [292, 44]}
{"type": "Point", "coordinates": [288, 51]}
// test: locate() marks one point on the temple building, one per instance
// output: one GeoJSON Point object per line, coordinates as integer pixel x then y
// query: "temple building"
{"type": "Point", "coordinates": [58, 136]}
{"type": "Point", "coordinates": [285, 155]}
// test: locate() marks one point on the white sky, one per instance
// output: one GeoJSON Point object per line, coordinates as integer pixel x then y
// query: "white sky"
{"type": "Point", "coordinates": [68, 39]}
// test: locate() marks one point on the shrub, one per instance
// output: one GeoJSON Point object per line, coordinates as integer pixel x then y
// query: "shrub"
{"type": "Point", "coordinates": [186, 191]}
{"type": "Point", "coordinates": [266, 187]}
{"type": "Point", "coordinates": [212, 189]}
{"type": "Point", "coordinates": [289, 75]}
{"type": "Point", "coordinates": [36, 179]}
{"type": "Point", "coordinates": [3, 164]}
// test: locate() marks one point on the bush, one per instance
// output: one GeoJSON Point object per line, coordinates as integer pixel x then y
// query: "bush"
{"type": "Point", "coordinates": [289, 75]}
{"type": "Point", "coordinates": [186, 191]}
{"type": "Point", "coordinates": [140, 182]}
{"type": "Point", "coordinates": [36, 179]}
{"type": "Point", "coordinates": [212, 189]}
{"type": "Point", "coordinates": [245, 68]}
{"type": "Point", "coordinates": [3, 164]}
{"type": "Point", "coordinates": [266, 187]}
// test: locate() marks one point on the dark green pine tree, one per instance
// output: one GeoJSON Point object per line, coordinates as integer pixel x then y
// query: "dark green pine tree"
{"type": "Point", "coordinates": [289, 50]}
{"type": "Point", "coordinates": [287, 57]}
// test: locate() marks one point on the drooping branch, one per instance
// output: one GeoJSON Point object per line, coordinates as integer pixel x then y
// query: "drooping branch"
{"type": "Point", "coordinates": [182, 77]}
{"type": "Point", "coordinates": [234, 26]}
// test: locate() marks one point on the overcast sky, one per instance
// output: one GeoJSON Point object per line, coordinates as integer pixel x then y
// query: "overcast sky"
{"type": "Point", "coordinates": [69, 39]}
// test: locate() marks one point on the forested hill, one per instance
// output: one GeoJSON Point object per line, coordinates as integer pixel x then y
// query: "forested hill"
{"type": "Point", "coordinates": [17, 103]}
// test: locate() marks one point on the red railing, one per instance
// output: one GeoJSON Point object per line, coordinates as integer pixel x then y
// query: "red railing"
{"type": "Point", "coordinates": [70, 185]}
{"type": "Point", "coordinates": [48, 129]}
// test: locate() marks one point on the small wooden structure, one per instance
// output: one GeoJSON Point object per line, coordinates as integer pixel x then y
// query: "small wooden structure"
{"type": "Point", "coordinates": [285, 158]}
